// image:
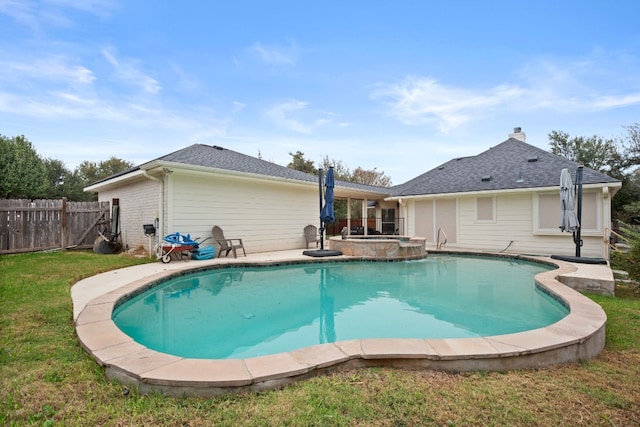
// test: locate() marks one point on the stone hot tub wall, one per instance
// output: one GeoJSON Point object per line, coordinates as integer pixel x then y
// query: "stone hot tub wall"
{"type": "Point", "coordinates": [401, 247]}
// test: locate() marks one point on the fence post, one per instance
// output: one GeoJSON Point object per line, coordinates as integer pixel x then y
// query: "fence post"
{"type": "Point", "coordinates": [63, 224]}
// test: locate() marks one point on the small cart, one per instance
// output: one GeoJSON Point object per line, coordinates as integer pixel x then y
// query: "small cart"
{"type": "Point", "coordinates": [176, 246]}
{"type": "Point", "coordinates": [166, 251]}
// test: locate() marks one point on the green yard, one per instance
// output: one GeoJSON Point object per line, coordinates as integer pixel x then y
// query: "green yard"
{"type": "Point", "coordinates": [47, 379]}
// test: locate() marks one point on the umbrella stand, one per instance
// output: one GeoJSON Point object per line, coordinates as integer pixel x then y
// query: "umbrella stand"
{"type": "Point", "coordinates": [321, 222]}
{"type": "Point", "coordinates": [576, 233]}
{"type": "Point", "coordinates": [322, 252]}
{"type": "Point", "coordinates": [577, 239]}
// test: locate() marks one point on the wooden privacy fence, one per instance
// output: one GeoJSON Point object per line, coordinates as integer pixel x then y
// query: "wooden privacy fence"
{"type": "Point", "coordinates": [36, 225]}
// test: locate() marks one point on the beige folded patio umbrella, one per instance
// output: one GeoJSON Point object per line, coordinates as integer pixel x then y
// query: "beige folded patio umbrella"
{"type": "Point", "coordinates": [568, 218]}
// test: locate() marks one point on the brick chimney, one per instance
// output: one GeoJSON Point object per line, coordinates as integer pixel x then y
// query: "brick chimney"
{"type": "Point", "coordinates": [518, 134]}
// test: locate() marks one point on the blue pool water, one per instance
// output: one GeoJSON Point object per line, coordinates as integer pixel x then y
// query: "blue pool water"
{"type": "Point", "coordinates": [246, 312]}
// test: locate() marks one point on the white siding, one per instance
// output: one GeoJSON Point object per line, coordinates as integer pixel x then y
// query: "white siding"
{"type": "Point", "coordinates": [515, 228]}
{"type": "Point", "coordinates": [512, 222]}
{"type": "Point", "coordinates": [139, 204]}
{"type": "Point", "coordinates": [447, 220]}
{"type": "Point", "coordinates": [424, 220]}
{"type": "Point", "coordinates": [267, 215]}
{"type": "Point", "coordinates": [270, 215]}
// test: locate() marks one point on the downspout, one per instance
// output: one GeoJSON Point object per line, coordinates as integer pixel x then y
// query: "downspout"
{"type": "Point", "coordinates": [402, 214]}
{"type": "Point", "coordinates": [160, 229]}
{"type": "Point", "coordinates": [349, 215]}
{"type": "Point", "coordinates": [365, 214]}
{"type": "Point", "coordinates": [606, 221]}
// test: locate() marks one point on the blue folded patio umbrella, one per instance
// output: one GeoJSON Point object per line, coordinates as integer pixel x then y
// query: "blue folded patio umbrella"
{"type": "Point", "coordinates": [327, 215]}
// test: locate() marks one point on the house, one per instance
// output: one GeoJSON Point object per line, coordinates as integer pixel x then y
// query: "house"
{"type": "Point", "coordinates": [193, 189]}
{"type": "Point", "coordinates": [505, 199]}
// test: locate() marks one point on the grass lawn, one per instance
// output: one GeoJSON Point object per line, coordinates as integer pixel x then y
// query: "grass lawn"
{"type": "Point", "coordinates": [46, 378]}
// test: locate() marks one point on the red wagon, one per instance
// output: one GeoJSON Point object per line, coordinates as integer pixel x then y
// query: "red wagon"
{"type": "Point", "coordinates": [166, 251]}
{"type": "Point", "coordinates": [177, 246]}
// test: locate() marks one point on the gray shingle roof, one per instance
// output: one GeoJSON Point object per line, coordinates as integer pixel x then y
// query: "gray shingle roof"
{"type": "Point", "coordinates": [498, 168]}
{"type": "Point", "coordinates": [225, 159]}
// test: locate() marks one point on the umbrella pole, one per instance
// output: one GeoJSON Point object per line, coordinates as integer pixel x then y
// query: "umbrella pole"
{"type": "Point", "coordinates": [321, 223]}
{"type": "Point", "coordinates": [576, 237]}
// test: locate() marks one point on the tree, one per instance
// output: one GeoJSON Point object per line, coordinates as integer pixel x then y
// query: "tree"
{"type": "Point", "coordinates": [359, 175]}
{"type": "Point", "coordinates": [370, 177]}
{"type": "Point", "coordinates": [616, 158]}
{"type": "Point", "coordinates": [340, 171]}
{"type": "Point", "coordinates": [632, 144]}
{"type": "Point", "coordinates": [91, 172]}
{"type": "Point", "coordinates": [64, 183]}
{"type": "Point", "coordinates": [630, 205]}
{"type": "Point", "coordinates": [629, 261]}
{"type": "Point", "coordinates": [58, 178]}
{"type": "Point", "coordinates": [113, 166]}
{"type": "Point", "coordinates": [593, 152]}
{"type": "Point", "coordinates": [299, 163]}
{"type": "Point", "coordinates": [27, 175]}
{"type": "Point", "coordinates": [24, 172]}
{"type": "Point", "coordinates": [88, 173]}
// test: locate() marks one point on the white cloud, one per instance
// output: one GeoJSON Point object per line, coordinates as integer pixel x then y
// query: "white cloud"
{"type": "Point", "coordinates": [185, 81]}
{"type": "Point", "coordinates": [607, 102]}
{"type": "Point", "coordinates": [294, 116]}
{"type": "Point", "coordinates": [237, 106]}
{"type": "Point", "coordinates": [275, 55]}
{"type": "Point", "coordinates": [74, 98]}
{"type": "Point", "coordinates": [35, 14]}
{"type": "Point", "coordinates": [418, 101]}
{"type": "Point", "coordinates": [55, 88]}
{"type": "Point", "coordinates": [596, 83]}
{"type": "Point", "coordinates": [585, 85]}
{"type": "Point", "coordinates": [62, 106]}
{"type": "Point", "coordinates": [128, 71]}
{"type": "Point", "coordinates": [51, 68]}
{"type": "Point", "coordinates": [22, 11]}
{"type": "Point", "coordinates": [96, 7]}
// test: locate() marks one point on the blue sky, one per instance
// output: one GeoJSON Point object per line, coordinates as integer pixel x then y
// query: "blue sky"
{"type": "Point", "coordinates": [400, 86]}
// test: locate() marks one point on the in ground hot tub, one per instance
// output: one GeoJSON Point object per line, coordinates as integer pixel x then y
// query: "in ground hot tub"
{"type": "Point", "coordinates": [377, 246]}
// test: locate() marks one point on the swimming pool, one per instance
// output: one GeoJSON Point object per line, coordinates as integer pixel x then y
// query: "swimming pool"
{"type": "Point", "coordinates": [237, 313]}
{"type": "Point", "coordinates": [578, 336]}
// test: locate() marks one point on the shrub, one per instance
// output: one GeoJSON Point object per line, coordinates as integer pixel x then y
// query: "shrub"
{"type": "Point", "coordinates": [629, 261]}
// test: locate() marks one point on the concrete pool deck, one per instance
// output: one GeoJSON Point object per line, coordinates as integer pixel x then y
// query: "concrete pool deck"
{"type": "Point", "coordinates": [578, 336]}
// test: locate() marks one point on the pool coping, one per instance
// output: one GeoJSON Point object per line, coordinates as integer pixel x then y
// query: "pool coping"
{"type": "Point", "coordinates": [578, 336]}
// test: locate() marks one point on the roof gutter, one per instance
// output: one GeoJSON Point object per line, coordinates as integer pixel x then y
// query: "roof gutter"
{"type": "Point", "coordinates": [612, 188]}
{"type": "Point", "coordinates": [107, 182]}
{"type": "Point", "coordinates": [192, 169]}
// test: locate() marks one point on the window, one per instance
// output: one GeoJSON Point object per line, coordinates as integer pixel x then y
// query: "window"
{"type": "Point", "coordinates": [546, 211]}
{"type": "Point", "coordinates": [590, 211]}
{"type": "Point", "coordinates": [485, 209]}
{"type": "Point", "coordinates": [388, 221]}
{"type": "Point", "coordinates": [548, 217]}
